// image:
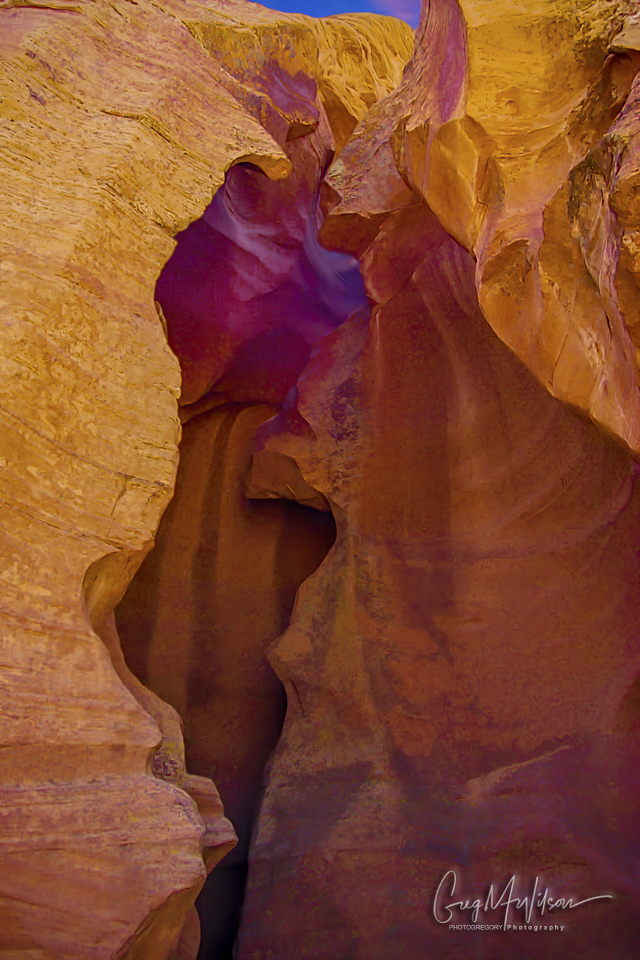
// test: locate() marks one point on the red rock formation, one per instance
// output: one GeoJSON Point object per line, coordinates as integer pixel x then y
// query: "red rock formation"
{"type": "Point", "coordinates": [216, 590]}
{"type": "Point", "coordinates": [461, 671]}
{"type": "Point", "coordinates": [122, 121]}
{"type": "Point", "coordinates": [478, 611]}
{"type": "Point", "coordinates": [506, 126]}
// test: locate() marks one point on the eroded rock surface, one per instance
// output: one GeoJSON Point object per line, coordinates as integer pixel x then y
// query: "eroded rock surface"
{"type": "Point", "coordinates": [217, 589]}
{"type": "Point", "coordinates": [459, 626]}
{"type": "Point", "coordinates": [461, 682]}
{"type": "Point", "coordinates": [100, 168]}
{"type": "Point", "coordinates": [461, 671]}
{"type": "Point", "coordinates": [120, 122]}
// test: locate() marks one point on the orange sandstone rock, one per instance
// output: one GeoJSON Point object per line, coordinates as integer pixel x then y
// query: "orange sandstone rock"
{"type": "Point", "coordinates": [119, 124]}
{"type": "Point", "coordinates": [216, 590]}
{"type": "Point", "coordinates": [512, 143]}
{"type": "Point", "coordinates": [462, 670]}
{"type": "Point", "coordinates": [478, 611]}
{"type": "Point", "coordinates": [100, 167]}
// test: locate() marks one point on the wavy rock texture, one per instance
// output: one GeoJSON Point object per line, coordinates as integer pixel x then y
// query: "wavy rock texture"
{"type": "Point", "coordinates": [120, 123]}
{"type": "Point", "coordinates": [461, 625]}
{"type": "Point", "coordinates": [516, 130]}
{"type": "Point", "coordinates": [247, 294]}
{"type": "Point", "coordinates": [508, 124]}
{"type": "Point", "coordinates": [103, 168]}
{"type": "Point", "coordinates": [461, 671]}
{"type": "Point", "coordinates": [218, 587]}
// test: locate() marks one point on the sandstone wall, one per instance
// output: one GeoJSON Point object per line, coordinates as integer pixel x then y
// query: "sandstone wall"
{"type": "Point", "coordinates": [118, 128]}
{"type": "Point", "coordinates": [461, 670]}
{"type": "Point", "coordinates": [217, 589]}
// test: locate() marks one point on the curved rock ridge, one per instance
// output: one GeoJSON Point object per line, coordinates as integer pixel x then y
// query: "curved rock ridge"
{"type": "Point", "coordinates": [120, 122]}
{"type": "Point", "coordinates": [249, 290]}
{"type": "Point", "coordinates": [462, 669]}
{"type": "Point", "coordinates": [215, 591]}
{"type": "Point", "coordinates": [508, 123]}
{"type": "Point", "coordinates": [478, 612]}
{"type": "Point", "coordinates": [285, 68]}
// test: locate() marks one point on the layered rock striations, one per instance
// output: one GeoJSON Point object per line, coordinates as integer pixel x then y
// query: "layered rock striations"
{"type": "Point", "coordinates": [100, 168]}
{"type": "Point", "coordinates": [518, 151]}
{"type": "Point", "coordinates": [215, 591]}
{"type": "Point", "coordinates": [119, 123]}
{"type": "Point", "coordinates": [459, 632]}
{"type": "Point", "coordinates": [459, 702]}
{"type": "Point", "coordinates": [403, 297]}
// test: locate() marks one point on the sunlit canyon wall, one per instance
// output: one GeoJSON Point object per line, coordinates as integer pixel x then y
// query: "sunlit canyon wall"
{"type": "Point", "coordinates": [320, 348]}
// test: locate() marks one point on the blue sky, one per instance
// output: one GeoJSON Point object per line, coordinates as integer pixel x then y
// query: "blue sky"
{"type": "Point", "coordinates": [408, 10]}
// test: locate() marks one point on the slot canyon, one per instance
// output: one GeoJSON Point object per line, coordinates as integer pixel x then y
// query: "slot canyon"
{"type": "Point", "coordinates": [320, 446]}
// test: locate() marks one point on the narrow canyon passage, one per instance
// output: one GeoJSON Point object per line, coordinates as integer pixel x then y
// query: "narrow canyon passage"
{"type": "Point", "coordinates": [247, 294]}
{"type": "Point", "coordinates": [468, 556]}
{"type": "Point", "coordinates": [320, 415]}
{"type": "Point", "coordinates": [218, 587]}
{"type": "Point", "coordinates": [458, 668]}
